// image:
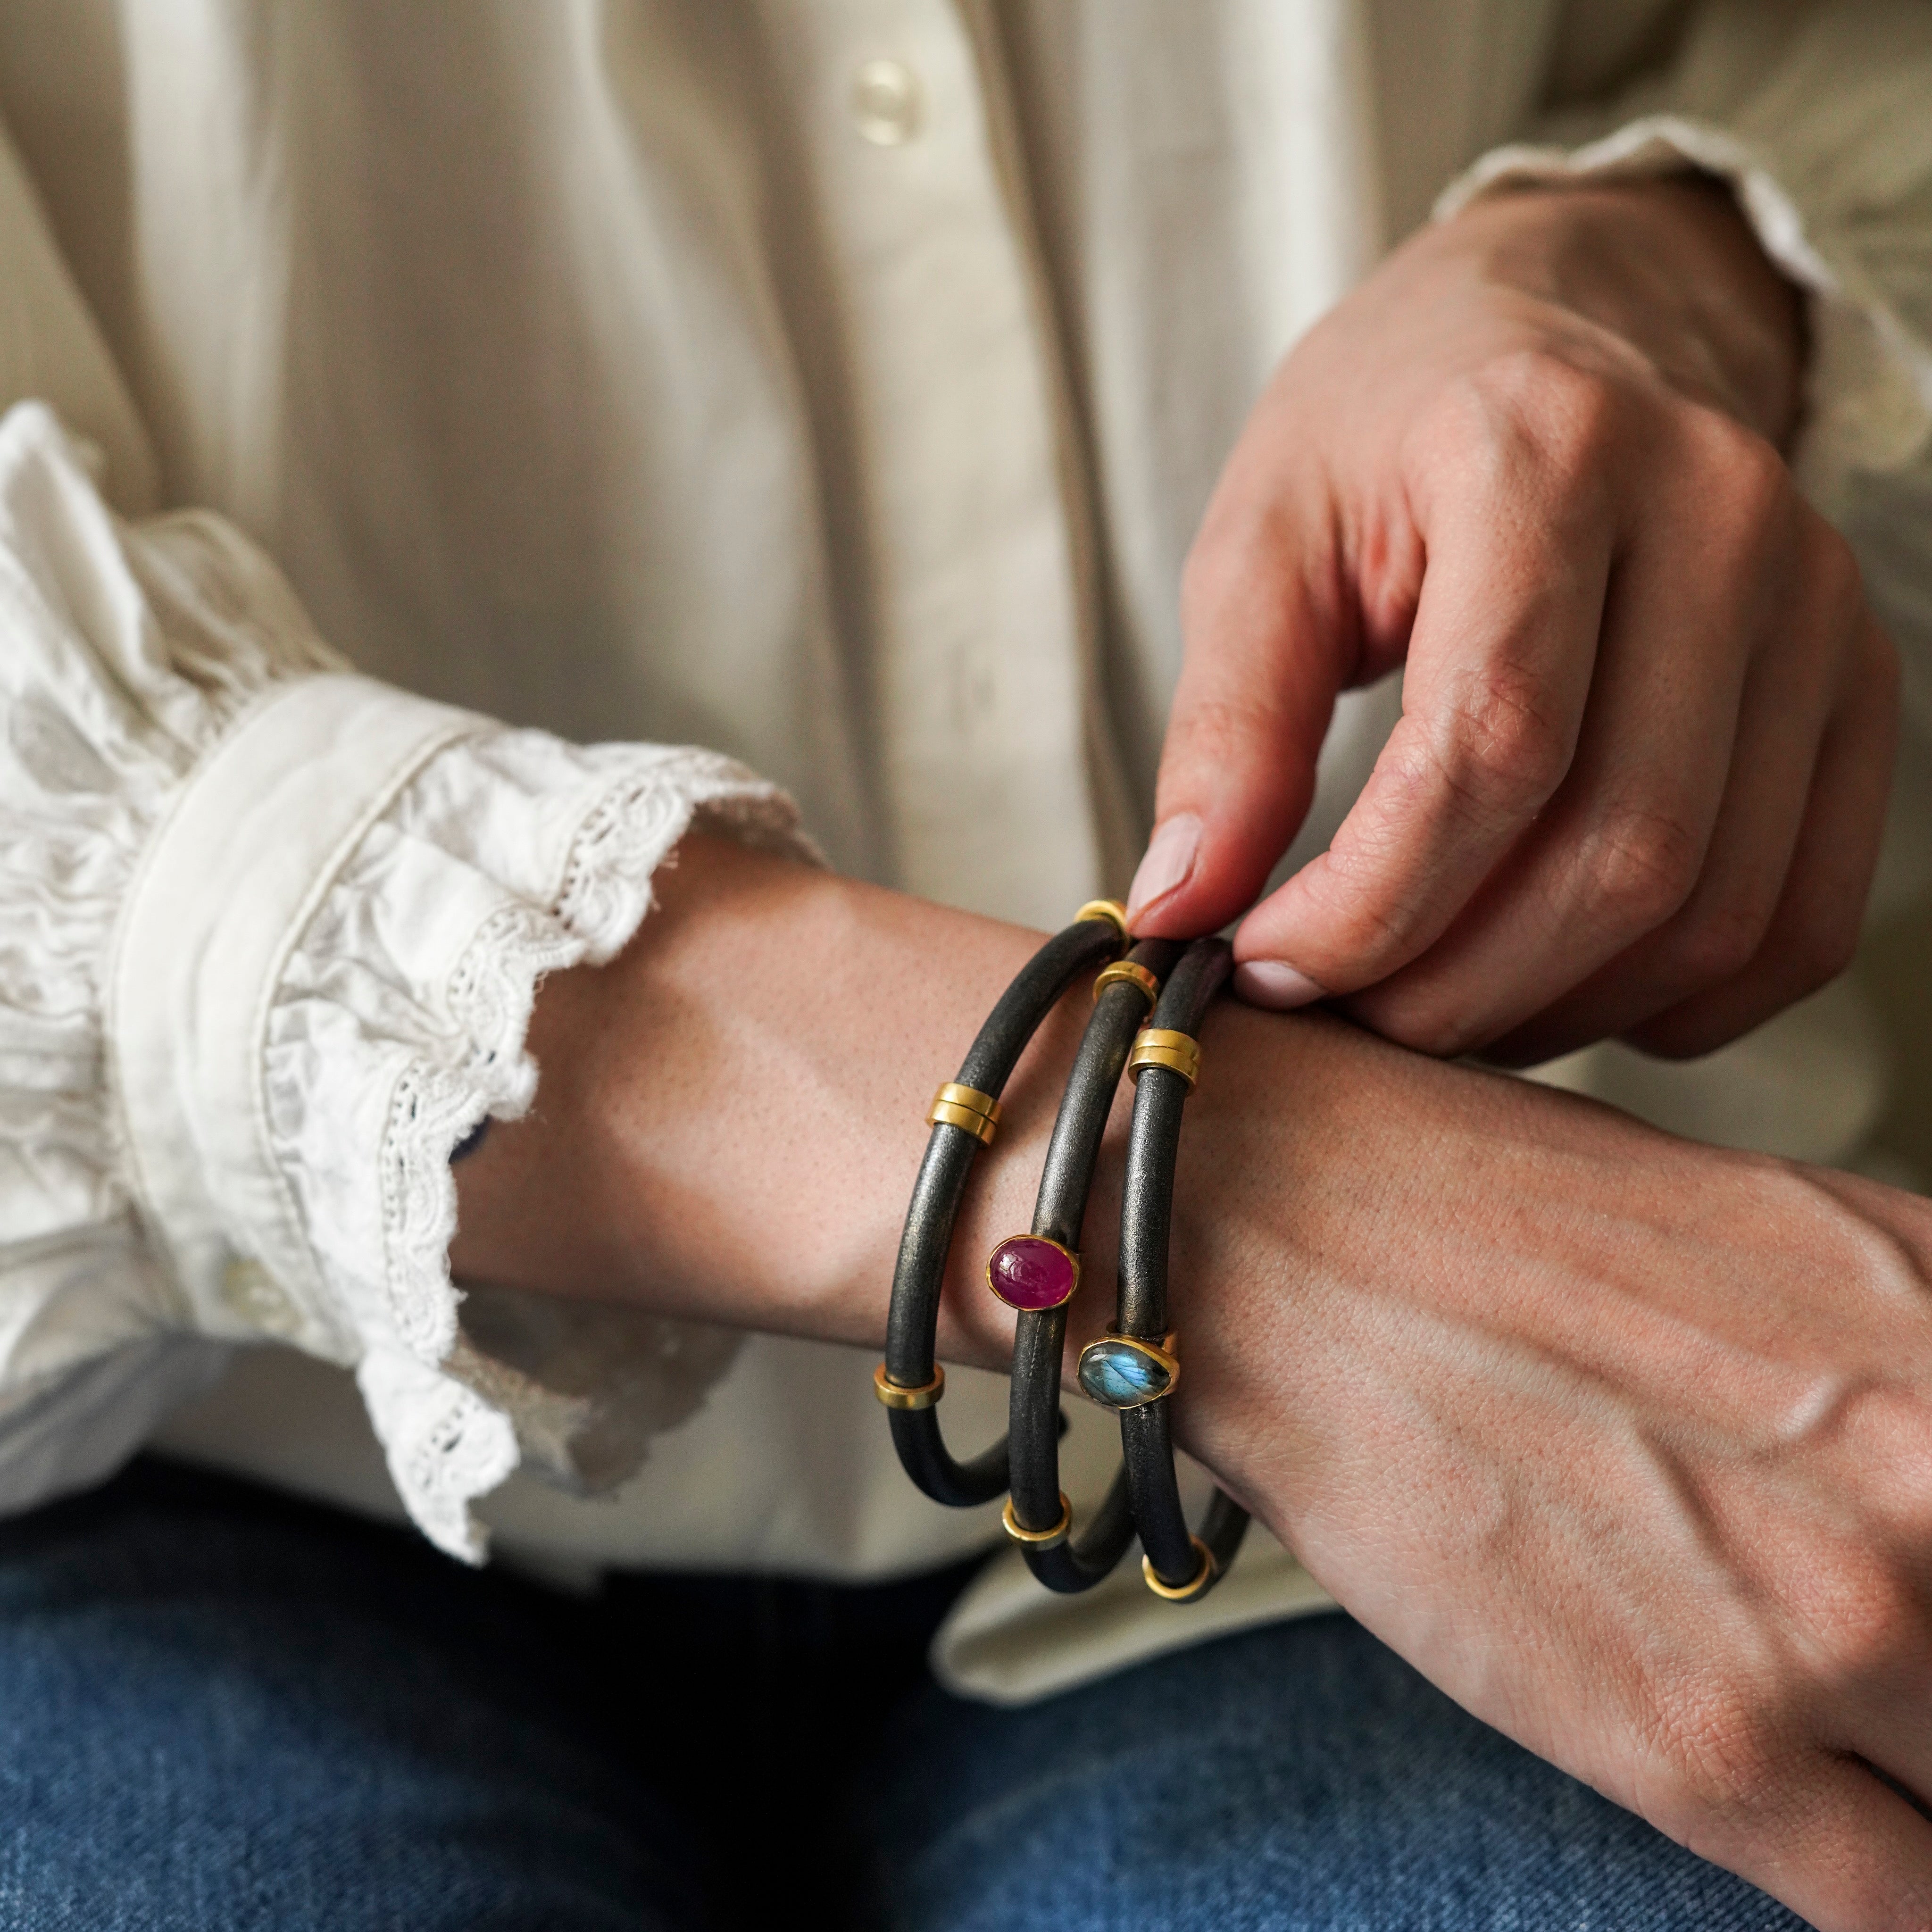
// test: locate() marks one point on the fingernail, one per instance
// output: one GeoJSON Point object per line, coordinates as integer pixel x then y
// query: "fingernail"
{"type": "Point", "coordinates": [1269, 983]}
{"type": "Point", "coordinates": [1169, 859]}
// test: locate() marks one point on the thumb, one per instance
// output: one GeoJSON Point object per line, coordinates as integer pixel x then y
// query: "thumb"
{"type": "Point", "coordinates": [1263, 661]}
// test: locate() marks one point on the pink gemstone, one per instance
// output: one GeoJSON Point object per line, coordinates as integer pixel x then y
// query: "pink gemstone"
{"type": "Point", "coordinates": [1030, 1272]}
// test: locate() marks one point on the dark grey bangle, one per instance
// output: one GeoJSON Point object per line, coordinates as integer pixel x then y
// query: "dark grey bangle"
{"type": "Point", "coordinates": [964, 1116]}
{"type": "Point", "coordinates": [1038, 1273]}
{"type": "Point", "coordinates": [1136, 1367]}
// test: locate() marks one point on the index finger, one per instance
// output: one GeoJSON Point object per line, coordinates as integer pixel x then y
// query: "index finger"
{"type": "Point", "coordinates": [1498, 673]}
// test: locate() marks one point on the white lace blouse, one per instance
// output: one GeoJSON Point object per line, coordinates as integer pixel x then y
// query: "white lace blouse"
{"type": "Point", "coordinates": [832, 386]}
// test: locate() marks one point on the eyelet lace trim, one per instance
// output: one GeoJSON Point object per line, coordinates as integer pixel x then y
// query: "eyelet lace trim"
{"type": "Point", "coordinates": [446, 1453]}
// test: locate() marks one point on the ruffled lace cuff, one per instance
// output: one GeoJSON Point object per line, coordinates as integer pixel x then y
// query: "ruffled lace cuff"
{"type": "Point", "coordinates": [396, 1024]}
{"type": "Point", "coordinates": [269, 936]}
{"type": "Point", "coordinates": [1823, 132]}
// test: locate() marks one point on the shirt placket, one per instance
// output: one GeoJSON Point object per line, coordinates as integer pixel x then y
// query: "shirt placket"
{"type": "Point", "coordinates": [971, 551]}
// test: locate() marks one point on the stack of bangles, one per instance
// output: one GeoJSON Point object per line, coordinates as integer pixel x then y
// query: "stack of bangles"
{"type": "Point", "coordinates": [1148, 1004]}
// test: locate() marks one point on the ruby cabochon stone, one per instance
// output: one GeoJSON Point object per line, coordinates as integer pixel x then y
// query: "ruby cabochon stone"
{"type": "Point", "coordinates": [1030, 1273]}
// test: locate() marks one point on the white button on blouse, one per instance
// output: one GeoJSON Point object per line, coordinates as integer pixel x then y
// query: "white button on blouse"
{"type": "Point", "coordinates": [885, 103]}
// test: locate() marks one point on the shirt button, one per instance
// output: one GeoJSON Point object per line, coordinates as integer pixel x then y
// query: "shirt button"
{"type": "Point", "coordinates": [885, 103]}
{"type": "Point", "coordinates": [256, 1296]}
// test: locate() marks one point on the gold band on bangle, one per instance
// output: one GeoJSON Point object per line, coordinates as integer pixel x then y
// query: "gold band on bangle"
{"type": "Point", "coordinates": [1182, 1593]}
{"type": "Point", "coordinates": [1127, 973]}
{"type": "Point", "coordinates": [957, 1106]}
{"type": "Point", "coordinates": [1111, 910]}
{"type": "Point", "coordinates": [1040, 1539]}
{"type": "Point", "coordinates": [896, 1395]}
{"type": "Point", "coordinates": [1161, 1046]}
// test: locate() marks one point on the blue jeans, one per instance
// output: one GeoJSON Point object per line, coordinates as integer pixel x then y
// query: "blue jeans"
{"type": "Point", "coordinates": [220, 1709]}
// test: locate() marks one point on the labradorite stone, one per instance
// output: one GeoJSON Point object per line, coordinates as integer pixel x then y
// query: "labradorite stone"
{"type": "Point", "coordinates": [1121, 1376]}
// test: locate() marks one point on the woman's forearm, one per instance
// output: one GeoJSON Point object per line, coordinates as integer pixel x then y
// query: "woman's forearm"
{"type": "Point", "coordinates": [730, 1115]}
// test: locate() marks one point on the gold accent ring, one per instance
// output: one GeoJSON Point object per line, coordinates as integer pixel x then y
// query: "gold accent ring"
{"type": "Point", "coordinates": [957, 1106]}
{"type": "Point", "coordinates": [1112, 910]}
{"type": "Point", "coordinates": [896, 1395]}
{"type": "Point", "coordinates": [1183, 1593]}
{"type": "Point", "coordinates": [1127, 973]}
{"type": "Point", "coordinates": [1040, 1539]}
{"type": "Point", "coordinates": [1161, 1046]}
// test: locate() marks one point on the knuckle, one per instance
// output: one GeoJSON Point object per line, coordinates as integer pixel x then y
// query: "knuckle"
{"type": "Point", "coordinates": [1580, 423]}
{"type": "Point", "coordinates": [1724, 1755]}
{"type": "Point", "coordinates": [1754, 477]}
{"type": "Point", "coordinates": [1645, 861]}
{"type": "Point", "coordinates": [1677, 1039]}
{"type": "Point", "coordinates": [1348, 892]}
{"type": "Point", "coordinates": [1497, 746]}
{"type": "Point", "coordinates": [1873, 1623]}
{"type": "Point", "coordinates": [1825, 605]}
{"type": "Point", "coordinates": [1752, 515]}
{"type": "Point", "coordinates": [1722, 939]}
{"type": "Point", "coordinates": [1571, 416]}
{"type": "Point", "coordinates": [1833, 566]}
{"type": "Point", "coordinates": [1414, 1016]}
{"type": "Point", "coordinates": [1821, 950]}
{"type": "Point", "coordinates": [1530, 414]}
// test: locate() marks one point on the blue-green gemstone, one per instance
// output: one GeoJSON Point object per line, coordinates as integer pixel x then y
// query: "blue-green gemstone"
{"type": "Point", "coordinates": [1119, 1375]}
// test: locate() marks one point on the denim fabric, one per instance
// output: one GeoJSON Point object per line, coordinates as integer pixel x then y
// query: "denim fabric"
{"type": "Point", "coordinates": [221, 1709]}
{"type": "Point", "coordinates": [1301, 1776]}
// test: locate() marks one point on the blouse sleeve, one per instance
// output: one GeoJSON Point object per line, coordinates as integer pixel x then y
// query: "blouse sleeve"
{"type": "Point", "coordinates": [269, 934]}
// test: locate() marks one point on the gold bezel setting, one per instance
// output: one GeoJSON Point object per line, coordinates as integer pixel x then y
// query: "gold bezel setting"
{"type": "Point", "coordinates": [1164, 1357]}
{"type": "Point", "coordinates": [1034, 1307]}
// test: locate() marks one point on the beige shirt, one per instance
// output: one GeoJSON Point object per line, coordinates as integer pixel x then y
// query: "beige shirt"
{"type": "Point", "coordinates": [833, 384]}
